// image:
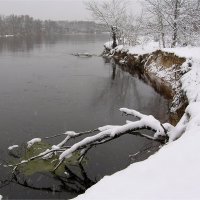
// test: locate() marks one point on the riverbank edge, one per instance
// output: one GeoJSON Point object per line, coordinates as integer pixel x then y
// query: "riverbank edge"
{"type": "Point", "coordinates": [160, 69]}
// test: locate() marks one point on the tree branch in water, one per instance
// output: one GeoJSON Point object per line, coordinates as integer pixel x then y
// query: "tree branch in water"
{"type": "Point", "coordinates": [105, 134]}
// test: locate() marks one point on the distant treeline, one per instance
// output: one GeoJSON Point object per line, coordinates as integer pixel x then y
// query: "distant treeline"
{"type": "Point", "coordinates": [24, 25]}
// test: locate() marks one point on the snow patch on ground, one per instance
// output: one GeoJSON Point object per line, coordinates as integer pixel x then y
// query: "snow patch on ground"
{"type": "Point", "coordinates": [191, 83]}
{"type": "Point", "coordinates": [13, 147]}
{"type": "Point", "coordinates": [143, 49]}
{"type": "Point", "coordinates": [33, 141]}
{"type": "Point", "coordinates": [187, 52]}
{"type": "Point", "coordinates": [138, 49]}
{"type": "Point", "coordinates": [108, 45]}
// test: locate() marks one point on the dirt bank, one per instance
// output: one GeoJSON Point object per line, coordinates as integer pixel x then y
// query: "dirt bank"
{"type": "Point", "coordinates": [161, 70]}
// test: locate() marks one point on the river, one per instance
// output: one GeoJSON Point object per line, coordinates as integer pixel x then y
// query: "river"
{"type": "Point", "coordinates": [44, 90]}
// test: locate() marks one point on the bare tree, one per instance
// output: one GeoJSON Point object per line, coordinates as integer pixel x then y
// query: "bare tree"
{"type": "Point", "coordinates": [113, 13]}
{"type": "Point", "coordinates": [155, 24]}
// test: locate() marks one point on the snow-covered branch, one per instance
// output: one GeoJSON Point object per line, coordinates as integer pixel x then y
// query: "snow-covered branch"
{"type": "Point", "coordinates": [104, 134]}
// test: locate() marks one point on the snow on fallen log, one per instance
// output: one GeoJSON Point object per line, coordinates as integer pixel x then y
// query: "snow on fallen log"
{"type": "Point", "coordinates": [13, 147]}
{"type": "Point", "coordinates": [109, 132]}
{"type": "Point", "coordinates": [104, 134]}
{"type": "Point", "coordinates": [33, 141]}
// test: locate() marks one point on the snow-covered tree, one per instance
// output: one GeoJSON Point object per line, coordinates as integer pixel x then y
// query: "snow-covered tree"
{"type": "Point", "coordinates": [177, 21]}
{"type": "Point", "coordinates": [114, 13]}
{"type": "Point", "coordinates": [154, 23]}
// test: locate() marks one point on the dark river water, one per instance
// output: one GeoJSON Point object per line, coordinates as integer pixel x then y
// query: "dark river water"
{"type": "Point", "coordinates": [44, 90]}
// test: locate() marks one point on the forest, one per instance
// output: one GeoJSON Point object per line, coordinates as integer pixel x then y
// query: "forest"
{"type": "Point", "coordinates": [24, 25]}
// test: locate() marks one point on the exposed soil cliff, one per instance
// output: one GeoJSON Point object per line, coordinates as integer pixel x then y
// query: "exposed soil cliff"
{"type": "Point", "coordinates": [162, 70]}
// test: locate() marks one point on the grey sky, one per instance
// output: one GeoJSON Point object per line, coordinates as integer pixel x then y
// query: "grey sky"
{"type": "Point", "coordinates": [50, 9]}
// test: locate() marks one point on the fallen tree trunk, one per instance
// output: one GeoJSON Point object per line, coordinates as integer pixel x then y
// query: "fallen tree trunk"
{"type": "Point", "coordinates": [105, 134]}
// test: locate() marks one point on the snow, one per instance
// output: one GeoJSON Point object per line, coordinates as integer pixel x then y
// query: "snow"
{"type": "Point", "coordinates": [83, 142]}
{"type": "Point", "coordinates": [23, 161]}
{"type": "Point", "coordinates": [33, 141]}
{"type": "Point", "coordinates": [64, 141]}
{"type": "Point", "coordinates": [119, 48]}
{"type": "Point", "coordinates": [110, 131]}
{"type": "Point", "coordinates": [107, 127]}
{"type": "Point", "coordinates": [191, 83]}
{"type": "Point", "coordinates": [132, 112]}
{"type": "Point", "coordinates": [13, 147]}
{"type": "Point", "coordinates": [188, 52]}
{"type": "Point", "coordinates": [173, 172]}
{"type": "Point", "coordinates": [71, 133]}
{"type": "Point", "coordinates": [108, 45]}
{"type": "Point", "coordinates": [149, 46]}
{"type": "Point", "coordinates": [143, 49]}
{"type": "Point", "coordinates": [145, 121]}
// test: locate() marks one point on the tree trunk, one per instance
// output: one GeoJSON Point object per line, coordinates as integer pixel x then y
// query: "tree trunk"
{"type": "Point", "coordinates": [114, 37]}
{"type": "Point", "coordinates": [163, 39]}
{"type": "Point", "coordinates": [161, 27]}
{"type": "Point", "coordinates": [175, 28]}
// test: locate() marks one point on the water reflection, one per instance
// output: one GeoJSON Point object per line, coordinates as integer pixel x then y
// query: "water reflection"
{"type": "Point", "coordinates": [113, 71]}
{"type": "Point", "coordinates": [15, 44]}
{"type": "Point", "coordinates": [131, 91]}
{"type": "Point", "coordinates": [75, 181]}
{"type": "Point", "coordinates": [157, 84]}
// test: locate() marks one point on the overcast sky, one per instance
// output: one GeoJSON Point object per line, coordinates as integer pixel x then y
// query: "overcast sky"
{"type": "Point", "coordinates": [51, 9]}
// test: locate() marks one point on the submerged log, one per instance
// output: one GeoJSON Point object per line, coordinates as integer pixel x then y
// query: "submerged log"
{"type": "Point", "coordinates": [83, 55]}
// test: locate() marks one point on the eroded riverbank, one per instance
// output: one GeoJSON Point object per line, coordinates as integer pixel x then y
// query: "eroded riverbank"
{"type": "Point", "coordinates": [175, 166]}
{"type": "Point", "coordinates": [162, 70]}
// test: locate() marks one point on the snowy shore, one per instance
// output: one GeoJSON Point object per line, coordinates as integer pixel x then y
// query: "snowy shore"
{"type": "Point", "coordinates": [173, 172]}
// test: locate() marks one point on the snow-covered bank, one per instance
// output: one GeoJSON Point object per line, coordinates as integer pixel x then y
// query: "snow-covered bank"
{"type": "Point", "coordinates": [161, 68]}
{"type": "Point", "coordinates": [173, 172]}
